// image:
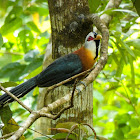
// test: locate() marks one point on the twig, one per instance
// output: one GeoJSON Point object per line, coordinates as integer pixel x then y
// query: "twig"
{"type": "Point", "coordinates": [7, 135]}
{"type": "Point", "coordinates": [69, 79]}
{"type": "Point", "coordinates": [32, 130]}
{"type": "Point", "coordinates": [92, 129]}
{"type": "Point", "coordinates": [71, 102]}
{"type": "Point", "coordinates": [29, 121]}
{"type": "Point", "coordinates": [54, 117]}
{"type": "Point", "coordinates": [65, 81]}
{"type": "Point", "coordinates": [12, 53]}
{"type": "Point", "coordinates": [72, 128]}
{"type": "Point", "coordinates": [15, 98]}
{"type": "Point", "coordinates": [121, 95]}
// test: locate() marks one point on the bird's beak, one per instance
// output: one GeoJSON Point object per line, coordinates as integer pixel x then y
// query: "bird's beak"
{"type": "Point", "coordinates": [98, 37]}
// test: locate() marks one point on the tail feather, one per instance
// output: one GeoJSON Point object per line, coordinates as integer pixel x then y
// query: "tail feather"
{"type": "Point", "coordinates": [18, 91]}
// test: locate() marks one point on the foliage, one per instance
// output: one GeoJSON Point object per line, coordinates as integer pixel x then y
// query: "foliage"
{"type": "Point", "coordinates": [116, 90]}
{"type": "Point", "coordinates": [93, 5]}
{"type": "Point", "coordinates": [24, 34]}
{"type": "Point", "coordinates": [136, 4]}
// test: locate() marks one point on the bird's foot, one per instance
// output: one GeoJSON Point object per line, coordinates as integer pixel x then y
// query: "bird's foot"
{"type": "Point", "coordinates": [81, 82]}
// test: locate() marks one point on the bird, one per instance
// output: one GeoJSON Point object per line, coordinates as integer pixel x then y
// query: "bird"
{"type": "Point", "coordinates": [61, 69]}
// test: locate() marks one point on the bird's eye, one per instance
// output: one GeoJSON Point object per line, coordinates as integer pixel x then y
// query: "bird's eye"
{"type": "Point", "coordinates": [90, 38]}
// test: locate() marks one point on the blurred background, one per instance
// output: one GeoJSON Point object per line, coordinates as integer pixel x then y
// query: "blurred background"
{"type": "Point", "coordinates": [24, 34]}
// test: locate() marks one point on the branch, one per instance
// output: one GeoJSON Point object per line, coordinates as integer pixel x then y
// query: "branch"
{"type": "Point", "coordinates": [29, 121]}
{"type": "Point", "coordinates": [69, 79]}
{"type": "Point", "coordinates": [7, 135]}
{"type": "Point", "coordinates": [15, 98]}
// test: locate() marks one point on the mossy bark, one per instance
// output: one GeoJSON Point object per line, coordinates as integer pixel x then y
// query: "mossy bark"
{"type": "Point", "coordinates": [69, 29]}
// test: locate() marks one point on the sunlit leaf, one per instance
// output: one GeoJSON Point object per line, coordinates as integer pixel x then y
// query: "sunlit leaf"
{"type": "Point", "coordinates": [9, 84]}
{"type": "Point", "coordinates": [26, 39]}
{"type": "Point", "coordinates": [40, 10]}
{"type": "Point", "coordinates": [115, 58]}
{"type": "Point", "coordinates": [135, 131]}
{"type": "Point", "coordinates": [33, 26]}
{"type": "Point", "coordinates": [34, 73]}
{"type": "Point", "coordinates": [135, 43]}
{"type": "Point", "coordinates": [126, 11]}
{"type": "Point", "coordinates": [118, 132]}
{"type": "Point", "coordinates": [14, 13]}
{"type": "Point", "coordinates": [1, 40]}
{"type": "Point", "coordinates": [125, 46]}
{"type": "Point", "coordinates": [11, 26]}
{"type": "Point", "coordinates": [120, 67]}
{"type": "Point", "coordinates": [93, 5]}
{"type": "Point", "coordinates": [132, 72]}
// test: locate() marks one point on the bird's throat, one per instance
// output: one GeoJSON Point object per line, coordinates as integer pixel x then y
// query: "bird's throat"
{"type": "Point", "coordinates": [86, 58]}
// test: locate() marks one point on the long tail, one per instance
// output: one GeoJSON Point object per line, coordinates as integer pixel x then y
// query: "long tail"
{"type": "Point", "coordinates": [18, 91]}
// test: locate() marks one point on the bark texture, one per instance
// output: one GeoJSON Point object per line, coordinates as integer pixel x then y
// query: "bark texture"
{"type": "Point", "coordinates": [69, 29]}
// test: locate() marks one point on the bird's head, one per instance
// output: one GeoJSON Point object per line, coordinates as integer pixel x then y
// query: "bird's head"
{"type": "Point", "coordinates": [92, 43]}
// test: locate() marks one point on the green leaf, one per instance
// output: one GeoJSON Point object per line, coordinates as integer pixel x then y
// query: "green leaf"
{"type": "Point", "coordinates": [67, 125]}
{"type": "Point", "coordinates": [33, 27]}
{"type": "Point", "coordinates": [134, 122]}
{"type": "Point", "coordinates": [132, 72]}
{"type": "Point", "coordinates": [135, 43]}
{"type": "Point", "coordinates": [136, 3]}
{"type": "Point", "coordinates": [35, 63]}
{"type": "Point", "coordinates": [135, 131]}
{"type": "Point", "coordinates": [35, 9]}
{"type": "Point", "coordinates": [114, 56]}
{"type": "Point", "coordinates": [14, 13]}
{"type": "Point", "coordinates": [128, 34]}
{"type": "Point", "coordinates": [1, 41]}
{"type": "Point", "coordinates": [34, 73]}
{"type": "Point", "coordinates": [9, 84]}
{"type": "Point", "coordinates": [12, 70]}
{"type": "Point", "coordinates": [119, 133]}
{"type": "Point", "coordinates": [122, 119]}
{"type": "Point", "coordinates": [128, 49]}
{"type": "Point", "coordinates": [120, 67]}
{"type": "Point", "coordinates": [97, 95]}
{"type": "Point", "coordinates": [122, 52]}
{"type": "Point", "coordinates": [6, 114]}
{"type": "Point", "coordinates": [126, 11]}
{"type": "Point", "coordinates": [93, 5]}
{"type": "Point", "coordinates": [43, 138]}
{"type": "Point", "coordinates": [63, 136]}
{"type": "Point", "coordinates": [26, 39]}
{"type": "Point", "coordinates": [11, 26]}
{"type": "Point", "coordinates": [126, 129]}
{"type": "Point", "coordinates": [11, 126]}
{"type": "Point", "coordinates": [29, 56]}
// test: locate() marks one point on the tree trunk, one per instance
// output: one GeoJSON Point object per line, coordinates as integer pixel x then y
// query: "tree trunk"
{"type": "Point", "coordinates": [69, 29]}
